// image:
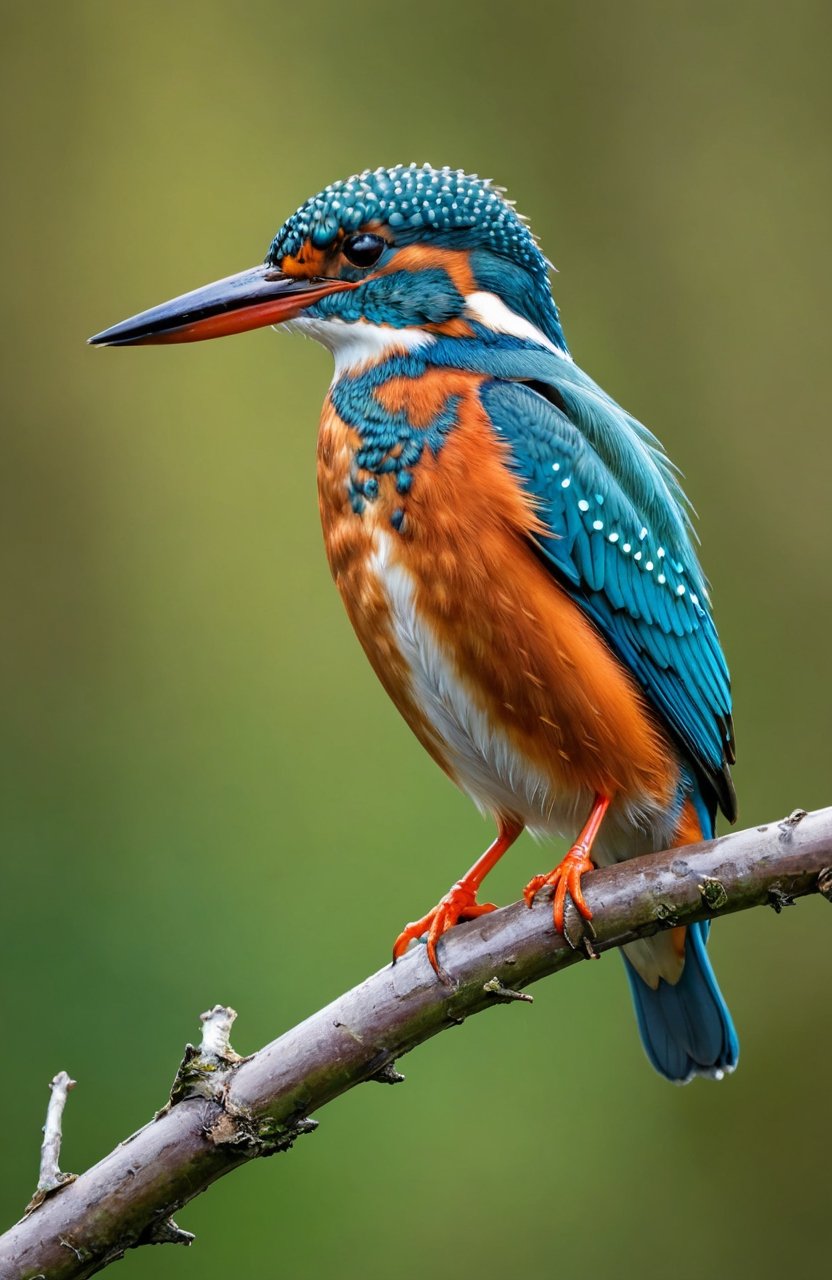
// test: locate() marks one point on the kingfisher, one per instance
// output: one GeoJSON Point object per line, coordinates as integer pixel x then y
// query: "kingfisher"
{"type": "Point", "coordinates": [514, 550]}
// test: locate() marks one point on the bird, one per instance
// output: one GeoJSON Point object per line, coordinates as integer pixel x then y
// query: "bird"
{"type": "Point", "coordinates": [514, 550]}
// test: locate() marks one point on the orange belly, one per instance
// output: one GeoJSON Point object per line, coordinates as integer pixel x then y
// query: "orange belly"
{"type": "Point", "coordinates": [496, 669]}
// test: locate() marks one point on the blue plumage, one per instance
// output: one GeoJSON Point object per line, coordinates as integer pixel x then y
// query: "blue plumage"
{"type": "Point", "coordinates": [686, 1029]}
{"type": "Point", "coordinates": [621, 546]}
{"type": "Point", "coordinates": [416, 202]}
{"type": "Point", "coordinates": [621, 539]}
{"type": "Point", "coordinates": [412, 273]}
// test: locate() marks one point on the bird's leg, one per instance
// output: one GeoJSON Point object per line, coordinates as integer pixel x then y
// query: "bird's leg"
{"type": "Point", "coordinates": [566, 877]}
{"type": "Point", "coordinates": [460, 902]}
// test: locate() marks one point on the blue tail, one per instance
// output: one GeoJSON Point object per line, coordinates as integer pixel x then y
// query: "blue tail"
{"type": "Point", "coordinates": [686, 1029]}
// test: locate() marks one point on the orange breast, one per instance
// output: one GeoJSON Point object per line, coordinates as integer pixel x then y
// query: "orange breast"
{"type": "Point", "coordinates": [351, 541]}
{"type": "Point", "coordinates": [534, 668]}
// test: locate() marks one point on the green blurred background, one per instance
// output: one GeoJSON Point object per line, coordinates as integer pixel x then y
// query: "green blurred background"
{"type": "Point", "coordinates": [206, 795]}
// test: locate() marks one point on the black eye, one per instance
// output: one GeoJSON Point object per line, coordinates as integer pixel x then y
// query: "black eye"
{"type": "Point", "coordinates": [364, 249]}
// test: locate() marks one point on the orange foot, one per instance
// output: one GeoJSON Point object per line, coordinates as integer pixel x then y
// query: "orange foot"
{"type": "Point", "coordinates": [565, 879]}
{"type": "Point", "coordinates": [459, 903]}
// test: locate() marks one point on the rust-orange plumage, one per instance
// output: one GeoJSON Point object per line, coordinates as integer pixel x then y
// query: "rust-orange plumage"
{"type": "Point", "coordinates": [512, 548]}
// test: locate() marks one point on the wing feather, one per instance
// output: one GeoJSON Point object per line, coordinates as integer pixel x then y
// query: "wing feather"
{"type": "Point", "coordinates": [621, 543]}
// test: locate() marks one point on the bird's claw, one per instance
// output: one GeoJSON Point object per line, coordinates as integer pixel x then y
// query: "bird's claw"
{"type": "Point", "coordinates": [565, 880]}
{"type": "Point", "coordinates": [459, 903]}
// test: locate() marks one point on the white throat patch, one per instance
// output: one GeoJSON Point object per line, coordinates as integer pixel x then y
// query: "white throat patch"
{"type": "Point", "coordinates": [358, 343]}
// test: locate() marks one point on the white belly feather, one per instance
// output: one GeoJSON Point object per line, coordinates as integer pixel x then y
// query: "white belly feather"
{"type": "Point", "coordinates": [487, 765]}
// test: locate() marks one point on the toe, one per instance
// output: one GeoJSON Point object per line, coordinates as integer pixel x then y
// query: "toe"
{"type": "Point", "coordinates": [459, 904]}
{"type": "Point", "coordinates": [440, 924]}
{"type": "Point", "coordinates": [409, 933]}
{"type": "Point", "coordinates": [559, 904]}
{"type": "Point", "coordinates": [401, 944]}
{"type": "Point", "coordinates": [578, 898]}
{"type": "Point", "coordinates": [477, 909]}
{"type": "Point", "coordinates": [533, 888]}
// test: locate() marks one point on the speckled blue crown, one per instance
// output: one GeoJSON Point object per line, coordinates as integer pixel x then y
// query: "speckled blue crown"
{"type": "Point", "coordinates": [412, 199]}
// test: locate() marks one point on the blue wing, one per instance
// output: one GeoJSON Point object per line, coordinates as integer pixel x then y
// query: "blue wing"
{"type": "Point", "coordinates": [621, 545]}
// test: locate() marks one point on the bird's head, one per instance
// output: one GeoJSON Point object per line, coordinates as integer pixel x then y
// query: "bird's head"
{"type": "Point", "coordinates": [388, 256]}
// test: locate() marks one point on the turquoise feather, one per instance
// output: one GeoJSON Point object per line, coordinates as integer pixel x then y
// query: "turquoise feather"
{"type": "Point", "coordinates": [662, 630]}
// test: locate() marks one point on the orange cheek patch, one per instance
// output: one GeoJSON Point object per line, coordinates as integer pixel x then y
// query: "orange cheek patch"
{"type": "Point", "coordinates": [418, 257]}
{"type": "Point", "coordinates": [311, 262]}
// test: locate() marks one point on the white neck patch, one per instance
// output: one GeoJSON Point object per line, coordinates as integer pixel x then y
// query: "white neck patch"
{"type": "Point", "coordinates": [358, 343]}
{"type": "Point", "coordinates": [491, 311]}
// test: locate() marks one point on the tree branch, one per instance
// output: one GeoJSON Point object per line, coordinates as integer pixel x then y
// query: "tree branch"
{"type": "Point", "coordinates": [224, 1110]}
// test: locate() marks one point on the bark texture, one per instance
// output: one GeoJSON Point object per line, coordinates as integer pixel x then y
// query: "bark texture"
{"type": "Point", "coordinates": [224, 1111]}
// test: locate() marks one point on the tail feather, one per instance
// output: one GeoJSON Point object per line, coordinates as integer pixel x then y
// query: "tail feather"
{"type": "Point", "coordinates": [685, 1025]}
{"type": "Point", "coordinates": [686, 1028]}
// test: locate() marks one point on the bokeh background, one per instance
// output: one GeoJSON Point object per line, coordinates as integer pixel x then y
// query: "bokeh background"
{"type": "Point", "coordinates": [207, 798]}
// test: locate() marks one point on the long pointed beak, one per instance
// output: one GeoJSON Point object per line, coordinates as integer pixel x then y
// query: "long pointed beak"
{"type": "Point", "coordinates": [249, 300]}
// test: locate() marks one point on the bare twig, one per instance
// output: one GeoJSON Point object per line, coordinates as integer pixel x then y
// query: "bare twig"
{"type": "Point", "coordinates": [50, 1151]}
{"type": "Point", "coordinates": [225, 1111]}
{"type": "Point", "coordinates": [216, 1034]}
{"type": "Point", "coordinates": [201, 1070]}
